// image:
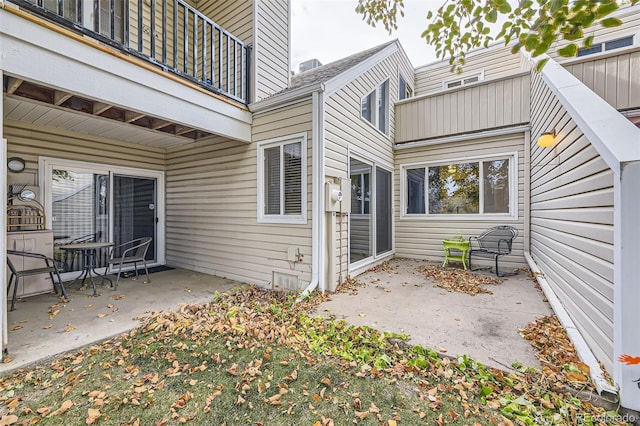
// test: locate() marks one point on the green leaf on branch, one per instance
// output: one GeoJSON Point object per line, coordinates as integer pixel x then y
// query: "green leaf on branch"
{"type": "Point", "coordinates": [611, 22]}
{"type": "Point", "coordinates": [568, 51]}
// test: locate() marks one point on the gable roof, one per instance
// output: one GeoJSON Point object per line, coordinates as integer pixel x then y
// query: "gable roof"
{"type": "Point", "coordinates": [324, 73]}
{"type": "Point", "coordinates": [334, 74]}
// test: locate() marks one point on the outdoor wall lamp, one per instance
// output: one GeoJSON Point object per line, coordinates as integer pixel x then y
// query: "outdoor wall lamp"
{"type": "Point", "coordinates": [547, 139]}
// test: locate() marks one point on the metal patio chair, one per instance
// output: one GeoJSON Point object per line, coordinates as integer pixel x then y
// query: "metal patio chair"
{"type": "Point", "coordinates": [49, 267]}
{"type": "Point", "coordinates": [493, 243]}
{"type": "Point", "coordinates": [133, 251]}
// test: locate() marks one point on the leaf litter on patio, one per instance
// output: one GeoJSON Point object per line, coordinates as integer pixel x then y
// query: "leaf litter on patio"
{"type": "Point", "coordinates": [253, 357]}
{"type": "Point", "coordinates": [458, 280]}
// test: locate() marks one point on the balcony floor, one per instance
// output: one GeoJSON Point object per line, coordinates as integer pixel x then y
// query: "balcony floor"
{"type": "Point", "coordinates": [35, 334]}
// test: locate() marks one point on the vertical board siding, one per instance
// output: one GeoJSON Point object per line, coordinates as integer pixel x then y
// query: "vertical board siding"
{"type": "Point", "coordinates": [472, 108]}
{"type": "Point", "coordinates": [572, 221]}
{"type": "Point", "coordinates": [272, 57]}
{"type": "Point", "coordinates": [345, 129]}
{"type": "Point", "coordinates": [495, 62]}
{"type": "Point", "coordinates": [421, 238]}
{"type": "Point", "coordinates": [615, 78]}
{"type": "Point", "coordinates": [212, 206]}
{"type": "Point", "coordinates": [31, 141]}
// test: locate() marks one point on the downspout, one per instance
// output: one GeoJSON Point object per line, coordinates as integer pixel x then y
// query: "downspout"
{"type": "Point", "coordinates": [585, 354]}
{"type": "Point", "coordinates": [3, 242]}
{"type": "Point", "coordinates": [317, 192]}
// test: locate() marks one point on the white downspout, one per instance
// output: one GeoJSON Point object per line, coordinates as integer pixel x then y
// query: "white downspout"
{"type": "Point", "coordinates": [3, 226]}
{"type": "Point", "coordinates": [317, 189]}
{"type": "Point", "coordinates": [583, 350]}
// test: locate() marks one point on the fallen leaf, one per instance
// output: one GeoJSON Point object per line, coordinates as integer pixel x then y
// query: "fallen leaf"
{"type": "Point", "coordinates": [63, 408]}
{"type": "Point", "coordinates": [8, 419]}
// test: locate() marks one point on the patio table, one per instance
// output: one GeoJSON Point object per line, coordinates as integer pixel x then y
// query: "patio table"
{"type": "Point", "coordinates": [89, 251]}
{"type": "Point", "coordinates": [458, 245]}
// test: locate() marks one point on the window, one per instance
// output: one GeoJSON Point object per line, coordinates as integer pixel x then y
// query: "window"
{"type": "Point", "coordinates": [404, 90]}
{"type": "Point", "coordinates": [374, 107]}
{"type": "Point", "coordinates": [282, 165]}
{"type": "Point", "coordinates": [606, 46]}
{"type": "Point", "coordinates": [474, 187]}
{"type": "Point", "coordinates": [463, 81]}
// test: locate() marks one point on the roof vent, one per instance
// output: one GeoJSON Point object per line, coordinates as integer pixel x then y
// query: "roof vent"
{"type": "Point", "coordinates": [309, 65]}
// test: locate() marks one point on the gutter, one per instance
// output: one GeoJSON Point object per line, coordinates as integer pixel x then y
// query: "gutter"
{"type": "Point", "coordinates": [318, 237]}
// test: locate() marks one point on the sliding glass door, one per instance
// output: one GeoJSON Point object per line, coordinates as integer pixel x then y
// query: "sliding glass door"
{"type": "Point", "coordinates": [370, 221]}
{"type": "Point", "coordinates": [134, 210]}
{"type": "Point", "coordinates": [90, 202]}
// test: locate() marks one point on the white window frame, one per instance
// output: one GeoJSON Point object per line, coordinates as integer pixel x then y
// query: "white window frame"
{"type": "Point", "coordinates": [462, 78]}
{"type": "Point", "coordinates": [408, 89]}
{"type": "Point", "coordinates": [513, 189]}
{"type": "Point", "coordinates": [45, 172]}
{"type": "Point", "coordinates": [375, 163]}
{"type": "Point", "coordinates": [375, 119]}
{"type": "Point", "coordinates": [282, 218]}
{"type": "Point", "coordinates": [634, 43]}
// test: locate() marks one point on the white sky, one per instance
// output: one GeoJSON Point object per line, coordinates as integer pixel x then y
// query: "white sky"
{"type": "Point", "coordinates": [328, 30]}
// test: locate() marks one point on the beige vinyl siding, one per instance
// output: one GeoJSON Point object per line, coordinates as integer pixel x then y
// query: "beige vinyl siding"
{"type": "Point", "coordinates": [421, 238]}
{"type": "Point", "coordinates": [494, 62]}
{"type": "Point", "coordinates": [614, 76]}
{"type": "Point", "coordinates": [572, 221]}
{"type": "Point", "coordinates": [31, 141]}
{"type": "Point", "coordinates": [273, 47]}
{"type": "Point", "coordinates": [345, 129]}
{"type": "Point", "coordinates": [481, 106]}
{"type": "Point", "coordinates": [235, 16]}
{"type": "Point", "coordinates": [212, 206]}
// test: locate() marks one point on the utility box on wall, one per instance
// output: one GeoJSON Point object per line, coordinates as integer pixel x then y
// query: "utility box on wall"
{"type": "Point", "coordinates": [338, 196]}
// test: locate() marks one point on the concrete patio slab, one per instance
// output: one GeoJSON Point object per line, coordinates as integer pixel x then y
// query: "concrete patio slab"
{"type": "Point", "coordinates": [400, 299]}
{"type": "Point", "coordinates": [37, 331]}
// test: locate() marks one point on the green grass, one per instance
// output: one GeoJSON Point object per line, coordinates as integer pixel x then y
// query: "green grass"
{"type": "Point", "coordinates": [255, 358]}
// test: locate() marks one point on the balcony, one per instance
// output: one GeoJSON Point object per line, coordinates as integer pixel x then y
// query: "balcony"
{"type": "Point", "coordinates": [170, 34]}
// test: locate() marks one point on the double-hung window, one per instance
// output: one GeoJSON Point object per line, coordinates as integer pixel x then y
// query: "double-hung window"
{"type": "Point", "coordinates": [482, 186]}
{"type": "Point", "coordinates": [282, 192]}
{"type": "Point", "coordinates": [374, 107]}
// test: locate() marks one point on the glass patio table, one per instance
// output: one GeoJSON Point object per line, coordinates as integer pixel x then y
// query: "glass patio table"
{"type": "Point", "coordinates": [89, 252]}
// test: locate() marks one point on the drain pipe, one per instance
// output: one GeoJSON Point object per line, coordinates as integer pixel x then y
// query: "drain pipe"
{"type": "Point", "coordinates": [317, 190]}
{"type": "Point", "coordinates": [583, 350]}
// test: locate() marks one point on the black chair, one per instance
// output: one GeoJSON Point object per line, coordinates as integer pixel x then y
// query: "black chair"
{"type": "Point", "coordinates": [49, 267]}
{"type": "Point", "coordinates": [493, 243]}
{"type": "Point", "coordinates": [133, 251]}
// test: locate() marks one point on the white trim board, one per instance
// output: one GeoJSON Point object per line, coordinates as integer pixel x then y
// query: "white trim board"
{"type": "Point", "coordinates": [46, 164]}
{"type": "Point", "coordinates": [462, 137]}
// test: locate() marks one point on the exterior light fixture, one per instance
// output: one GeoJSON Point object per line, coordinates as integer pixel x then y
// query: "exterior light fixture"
{"type": "Point", "coordinates": [547, 139]}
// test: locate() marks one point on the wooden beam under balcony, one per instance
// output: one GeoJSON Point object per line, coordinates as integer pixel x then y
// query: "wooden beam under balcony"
{"type": "Point", "coordinates": [60, 97]}
{"type": "Point", "coordinates": [13, 84]}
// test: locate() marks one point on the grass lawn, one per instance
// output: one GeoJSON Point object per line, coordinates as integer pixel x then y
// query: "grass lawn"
{"type": "Point", "coordinates": [253, 357]}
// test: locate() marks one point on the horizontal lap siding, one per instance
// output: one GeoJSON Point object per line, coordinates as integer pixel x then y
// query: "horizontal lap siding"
{"type": "Point", "coordinates": [235, 16]}
{"type": "Point", "coordinates": [495, 62]}
{"type": "Point", "coordinates": [273, 47]}
{"type": "Point", "coordinates": [421, 238]}
{"type": "Point", "coordinates": [345, 128]}
{"type": "Point", "coordinates": [30, 142]}
{"type": "Point", "coordinates": [616, 79]}
{"type": "Point", "coordinates": [473, 108]}
{"type": "Point", "coordinates": [212, 206]}
{"type": "Point", "coordinates": [572, 221]}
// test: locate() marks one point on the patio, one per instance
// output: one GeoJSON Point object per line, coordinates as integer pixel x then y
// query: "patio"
{"type": "Point", "coordinates": [41, 326]}
{"type": "Point", "coordinates": [396, 297]}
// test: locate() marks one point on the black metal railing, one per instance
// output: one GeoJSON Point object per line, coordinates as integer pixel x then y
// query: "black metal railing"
{"type": "Point", "coordinates": [169, 33]}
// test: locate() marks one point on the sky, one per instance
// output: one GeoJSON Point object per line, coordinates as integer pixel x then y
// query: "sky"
{"type": "Point", "coordinates": [328, 30]}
